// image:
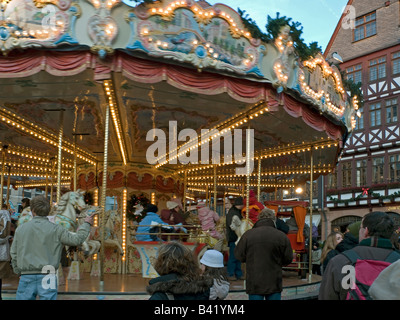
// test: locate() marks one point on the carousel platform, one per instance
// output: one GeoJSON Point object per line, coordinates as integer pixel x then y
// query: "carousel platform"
{"type": "Point", "coordinates": [132, 287]}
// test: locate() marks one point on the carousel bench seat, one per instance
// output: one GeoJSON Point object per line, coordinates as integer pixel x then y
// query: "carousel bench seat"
{"type": "Point", "coordinates": [148, 254]}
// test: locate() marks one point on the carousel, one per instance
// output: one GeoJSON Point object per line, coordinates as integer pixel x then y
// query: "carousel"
{"type": "Point", "coordinates": [112, 104]}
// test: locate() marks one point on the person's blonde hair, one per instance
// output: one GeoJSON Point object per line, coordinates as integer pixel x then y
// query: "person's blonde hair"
{"type": "Point", "coordinates": [330, 244]}
{"type": "Point", "coordinates": [40, 205]}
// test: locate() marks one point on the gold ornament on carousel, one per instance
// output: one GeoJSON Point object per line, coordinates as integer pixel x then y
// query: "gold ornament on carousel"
{"type": "Point", "coordinates": [43, 3]}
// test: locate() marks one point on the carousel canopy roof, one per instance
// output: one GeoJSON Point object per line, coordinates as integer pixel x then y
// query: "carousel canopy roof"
{"type": "Point", "coordinates": [167, 72]}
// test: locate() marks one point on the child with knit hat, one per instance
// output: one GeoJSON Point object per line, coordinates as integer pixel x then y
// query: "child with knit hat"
{"type": "Point", "coordinates": [212, 265]}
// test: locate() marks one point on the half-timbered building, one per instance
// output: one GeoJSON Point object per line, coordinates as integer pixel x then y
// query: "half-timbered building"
{"type": "Point", "coordinates": [367, 177]}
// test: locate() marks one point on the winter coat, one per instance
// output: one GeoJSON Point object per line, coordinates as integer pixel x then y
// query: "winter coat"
{"type": "Point", "coordinates": [172, 217]}
{"type": "Point", "coordinates": [145, 226]}
{"type": "Point", "coordinates": [171, 286]}
{"type": "Point", "coordinates": [39, 242]}
{"type": "Point", "coordinates": [231, 235]}
{"type": "Point", "coordinates": [265, 250]}
{"type": "Point", "coordinates": [219, 290]}
{"type": "Point", "coordinates": [316, 256]}
{"type": "Point", "coordinates": [281, 225]}
{"type": "Point", "coordinates": [208, 219]}
{"type": "Point", "coordinates": [349, 242]}
{"type": "Point", "coordinates": [331, 254]}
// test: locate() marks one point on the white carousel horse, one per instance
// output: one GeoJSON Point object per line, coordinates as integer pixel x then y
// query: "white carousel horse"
{"type": "Point", "coordinates": [240, 226]}
{"type": "Point", "coordinates": [111, 227]}
{"type": "Point", "coordinates": [65, 214]}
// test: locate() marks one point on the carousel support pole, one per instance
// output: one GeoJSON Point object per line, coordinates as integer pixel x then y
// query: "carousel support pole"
{"type": "Point", "coordinates": [223, 205]}
{"type": "Point", "coordinates": [215, 188]}
{"type": "Point", "coordinates": [59, 160]}
{"type": "Point", "coordinates": [248, 159]}
{"type": "Point", "coordinates": [184, 191]}
{"type": "Point", "coordinates": [3, 160]}
{"type": "Point", "coordinates": [52, 182]}
{"type": "Point", "coordinates": [124, 226]}
{"type": "Point", "coordinates": [207, 195]}
{"type": "Point", "coordinates": [311, 209]}
{"type": "Point", "coordinates": [46, 188]}
{"type": "Point", "coordinates": [124, 246]}
{"type": "Point", "coordinates": [75, 174]}
{"type": "Point", "coordinates": [259, 179]}
{"type": "Point", "coordinates": [8, 187]}
{"type": "Point", "coordinates": [103, 194]}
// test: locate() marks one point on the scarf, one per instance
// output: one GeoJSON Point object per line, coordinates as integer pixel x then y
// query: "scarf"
{"type": "Point", "coordinates": [377, 242]}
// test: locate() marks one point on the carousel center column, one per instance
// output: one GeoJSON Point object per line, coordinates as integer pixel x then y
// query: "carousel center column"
{"type": "Point", "coordinates": [103, 194]}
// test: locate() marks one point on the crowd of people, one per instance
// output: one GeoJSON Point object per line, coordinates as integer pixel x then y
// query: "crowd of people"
{"type": "Point", "coordinates": [370, 247]}
{"type": "Point", "coordinates": [265, 247]}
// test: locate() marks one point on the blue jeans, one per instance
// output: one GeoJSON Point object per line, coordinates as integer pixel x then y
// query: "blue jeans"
{"type": "Point", "coordinates": [272, 296]}
{"type": "Point", "coordinates": [32, 285]}
{"type": "Point", "coordinates": [234, 266]}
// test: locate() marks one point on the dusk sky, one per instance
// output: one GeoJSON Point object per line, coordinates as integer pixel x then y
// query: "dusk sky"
{"type": "Point", "coordinates": [318, 17]}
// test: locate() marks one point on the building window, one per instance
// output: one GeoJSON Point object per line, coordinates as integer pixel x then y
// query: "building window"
{"type": "Point", "coordinates": [394, 168]}
{"type": "Point", "coordinates": [361, 174]}
{"type": "Point", "coordinates": [375, 114]}
{"type": "Point", "coordinates": [354, 73]}
{"type": "Point", "coordinates": [377, 170]}
{"type": "Point", "coordinates": [365, 26]}
{"type": "Point", "coordinates": [391, 110]}
{"type": "Point", "coordinates": [360, 120]}
{"type": "Point", "coordinates": [346, 175]}
{"type": "Point", "coordinates": [396, 63]}
{"type": "Point", "coordinates": [332, 181]}
{"type": "Point", "coordinates": [377, 69]}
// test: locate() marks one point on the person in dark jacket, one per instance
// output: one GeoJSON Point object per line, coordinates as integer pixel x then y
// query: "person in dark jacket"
{"type": "Point", "coordinates": [265, 250]}
{"type": "Point", "coordinates": [281, 225]}
{"type": "Point", "coordinates": [349, 241]}
{"type": "Point", "coordinates": [234, 266]}
{"type": "Point", "coordinates": [180, 275]}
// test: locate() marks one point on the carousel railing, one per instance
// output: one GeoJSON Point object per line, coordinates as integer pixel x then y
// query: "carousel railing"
{"type": "Point", "coordinates": [195, 234]}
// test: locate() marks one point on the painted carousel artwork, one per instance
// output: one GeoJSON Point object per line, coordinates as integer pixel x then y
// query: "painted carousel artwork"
{"type": "Point", "coordinates": [128, 100]}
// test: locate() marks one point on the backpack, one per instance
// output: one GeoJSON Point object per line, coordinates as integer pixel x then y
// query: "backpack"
{"type": "Point", "coordinates": [366, 271]}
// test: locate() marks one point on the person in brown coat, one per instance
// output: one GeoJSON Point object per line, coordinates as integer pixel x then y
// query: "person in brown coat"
{"type": "Point", "coordinates": [265, 250]}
